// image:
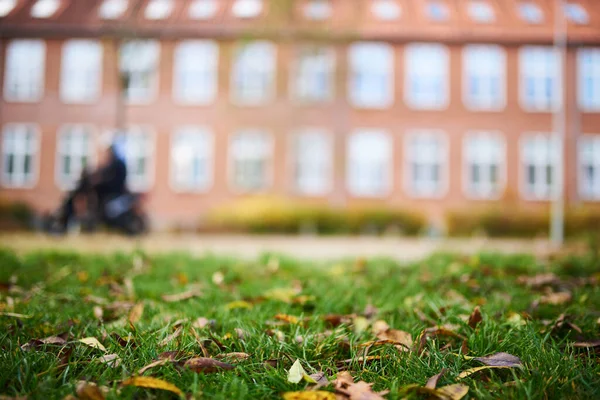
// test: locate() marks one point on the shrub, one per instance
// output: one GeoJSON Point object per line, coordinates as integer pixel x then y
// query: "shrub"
{"type": "Point", "coordinates": [262, 214]}
{"type": "Point", "coordinates": [15, 215]}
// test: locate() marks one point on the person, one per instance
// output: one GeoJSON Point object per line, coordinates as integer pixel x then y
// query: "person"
{"type": "Point", "coordinates": [107, 182]}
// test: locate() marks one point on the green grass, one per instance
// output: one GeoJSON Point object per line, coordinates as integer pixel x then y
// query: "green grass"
{"type": "Point", "coordinates": [444, 288]}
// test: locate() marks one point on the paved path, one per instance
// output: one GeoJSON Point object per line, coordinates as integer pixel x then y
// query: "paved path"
{"type": "Point", "coordinates": [305, 247]}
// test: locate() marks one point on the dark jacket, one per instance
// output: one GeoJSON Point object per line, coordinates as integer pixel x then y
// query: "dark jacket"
{"type": "Point", "coordinates": [112, 178]}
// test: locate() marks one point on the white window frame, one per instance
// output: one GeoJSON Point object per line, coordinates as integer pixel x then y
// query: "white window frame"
{"type": "Point", "coordinates": [203, 63]}
{"type": "Point", "coordinates": [134, 183]}
{"type": "Point", "coordinates": [538, 71]}
{"type": "Point", "coordinates": [299, 77]}
{"type": "Point", "coordinates": [576, 13]}
{"type": "Point", "coordinates": [87, 57]}
{"type": "Point", "coordinates": [427, 70]}
{"type": "Point", "coordinates": [540, 193]}
{"type": "Point", "coordinates": [128, 62]}
{"type": "Point", "coordinates": [247, 8]}
{"type": "Point", "coordinates": [269, 159]}
{"type": "Point", "coordinates": [6, 7]}
{"type": "Point", "coordinates": [491, 68]}
{"type": "Point", "coordinates": [318, 10]}
{"type": "Point", "coordinates": [430, 5]}
{"type": "Point", "coordinates": [203, 136]}
{"type": "Point", "coordinates": [481, 11]}
{"type": "Point", "coordinates": [354, 187]}
{"type": "Point", "coordinates": [113, 9]}
{"type": "Point", "coordinates": [250, 60]}
{"type": "Point", "coordinates": [35, 157]}
{"type": "Point", "coordinates": [159, 9]}
{"type": "Point", "coordinates": [37, 70]}
{"type": "Point", "coordinates": [69, 182]}
{"type": "Point", "coordinates": [327, 164]}
{"type": "Point", "coordinates": [585, 71]}
{"type": "Point", "coordinates": [201, 10]}
{"type": "Point", "coordinates": [45, 8]}
{"type": "Point", "coordinates": [487, 192]}
{"type": "Point", "coordinates": [530, 12]}
{"type": "Point", "coordinates": [361, 56]}
{"type": "Point", "coordinates": [444, 164]}
{"type": "Point", "coordinates": [386, 10]}
{"type": "Point", "coordinates": [583, 143]}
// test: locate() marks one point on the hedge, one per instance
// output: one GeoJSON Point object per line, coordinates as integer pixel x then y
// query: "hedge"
{"type": "Point", "coordinates": [15, 215]}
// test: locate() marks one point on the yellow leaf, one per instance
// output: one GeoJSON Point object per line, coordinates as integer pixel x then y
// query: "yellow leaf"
{"type": "Point", "coordinates": [136, 313]}
{"type": "Point", "coordinates": [296, 372]}
{"type": "Point", "coordinates": [82, 276]}
{"type": "Point", "coordinates": [152, 383]}
{"type": "Point", "coordinates": [452, 392]}
{"type": "Point", "coordinates": [290, 319]}
{"type": "Point", "coordinates": [285, 295]}
{"type": "Point", "coordinates": [238, 304]}
{"type": "Point", "coordinates": [309, 395]}
{"type": "Point", "coordinates": [89, 391]}
{"type": "Point", "coordinates": [471, 371]}
{"type": "Point", "coordinates": [360, 325]}
{"type": "Point", "coordinates": [93, 343]}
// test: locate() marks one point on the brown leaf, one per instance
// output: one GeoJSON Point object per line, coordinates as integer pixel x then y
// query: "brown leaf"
{"type": "Point", "coordinates": [172, 355]}
{"type": "Point", "coordinates": [471, 371]}
{"type": "Point", "coordinates": [562, 321]}
{"type": "Point", "coordinates": [379, 326]}
{"type": "Point", "coordinates": [136, 313]}
{"type": "Point", "coordinates": [171, 337]}
{"type": "Point", "coordinates": [556, 298]}
{"type": "Point", "coordinates": [188, 294]}
{"type": "Point", "coordinates": [289, 319]}
{"type": "Point", "coordinates": [343, 379]}
{"type": "Point", "coordinates": [402, 339]}
{"type": "Point", "coordinates": [539, 280]}
{"type": "Point", "coordinates": [370, 311]}
{"type": "Point", "coordinates": [361, 391]}
{"type": "Point", "coordinates": [335, 320]}
{"type": "Point", "coordinates": [320, 379]}
{"type": "Point", "coordinates": [152, 383]}
{"type": "Point", "coordinates": [500, 360]}
{"type": "Point", "coordinates": [112, 360]}
{"type": "Point", "coordinates": [591, 344]}
{"type": "Point", "coordinates": [432, 382]}
{"type": "Point", "coordinates": [206, 365]}
{"type": "Point", "coordinates": [51, 340]}
{"type": "Point", "coordinates": [89, 391]}
{"type": "Point", "coordinates": [436, 331]}
{"type": "Point", "coordinates": [452, 392]}
{"type": "Point", "coordinates": [475, 318]}
{"type": "Point", "coordinates": [233, 356]}
{"type": "Point", "coordinates": [123, 342]}
{"type": "Point", "coordinates": [202, 322]}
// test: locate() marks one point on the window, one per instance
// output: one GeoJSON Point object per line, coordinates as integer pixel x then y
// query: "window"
{"type": "Point", "coordinates": [437, 11]}
{"type": "Point", "coordinates": [6, 6]}
{"type": "Point", "coordinates": [192, 159]}
{"type": "Point", "coordinates": [159, 9]}
{"type": "Point", "coordinates": [24, 74]}
{"type": "Point", "coordinates": [44, 8]}
{"type": "Point", "coordinates": [253, 73]}
{"type": "Point", "coordinates": [588, 76]}
{"type": "Point", "coordinates": [369, 163]}
{"type": "Point", "coordinates": [539, 73]}
{"type": "Point", "coordinates": [74, 153]}
{"type": "Point", "coordinates": [576, 13]}
{"type": "Point", "coordinates": [312, 151]}
{"type": "Point", "coordinates": [426, 76]}
{"type": "Point", "coordinates": [247, 8]}
{"type": "Point", "coordinates": [538, 157]}
{"type": "Point", "coordinates": [113, 9]}
{"type": "Point", "coordinates": [139, 158]}
{"type": "Point", "coordinates": [481, 12]}
{"type": "Point", "coordinates": [203, 9]}
{"type": "Point", "coordinates": [196, 71]}
{"type": "Point", "coordinates": [139, 69]}
{"type": "Point", "coordinates": [484, 164]}
{"type": "Point", "coordinates": [386, 10]}
{"type": "Point", "coordinates": [81, 71]}
{"type": "Point", "coordinates": [371, 75]}
{"type": "Point", "coordinates": [20, 145]}
{"type": "Point", "coordinates": [250, 160]}
{"type": "Point", "coordinates": [426, 154]}
{"type": "Point", "coordinates": [531, 13]}
{"type": "Point", "coordinates": [312, 80]}
{"type": "Point", "coordinates": [484, 74]}
{"type": "Point", "coordinates": [589, 167]}
{"type": "Point", "coordinates": [317, 10]}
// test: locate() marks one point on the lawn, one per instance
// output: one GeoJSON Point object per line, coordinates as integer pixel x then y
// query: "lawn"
{"type": "Point", "coordinates": [214, 327]}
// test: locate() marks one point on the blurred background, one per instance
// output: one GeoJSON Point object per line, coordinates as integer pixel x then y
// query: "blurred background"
{"type": "Point", "coordinates": [404, 117]}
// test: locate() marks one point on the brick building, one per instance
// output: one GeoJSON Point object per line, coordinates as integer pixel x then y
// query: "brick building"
{"type": "Point", "coordinates": [428, 104]}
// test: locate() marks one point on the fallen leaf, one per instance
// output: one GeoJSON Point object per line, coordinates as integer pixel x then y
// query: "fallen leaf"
{"type": "Point", "coordinates": [402, 339]}
{"type": "Point", "coordinates": [360, 325]}
{"type": "Point", "coordinates": [136, 313]}
{"type": "Point", "coordinates": [124, 342]}
{"type": "Point", "coordinates": [592, 344]}
{"type": "Point", "coordinates": [98, 312]}
{"type": "Point", "coordinates": [452, 392]}
{"type": "Point", "coordinates": [475, 318]}
{"type": "Point", "coordinates": [361, 391]}
{"type": "Point", "coordinates": [238, 304]}
{"type": "Point", "coordinates": [171, 337]}
{"type": "Point", "coordinates": [112, 360]}
{"type": "Point", "coordinates": [188, 294]}
{"type": "Point", "coordinates": [153, 364]}
{"type": "Point", "coordinates": [309, 395]}
{"type": "Point", "coordinates": [379, 326]}
{"type": "Point", "coordinates": [320, 379]}
{"type": "Point", "coordinates": [539, 280]}
{"type": "Point", "coordinates": [370, 311]}
{"type": "Point", "coordinates": [14, 315]}
{"type": "Point", "coordinates": [51, 340]}
{"type": "Point", "coordinates": [296, 373]}
{"type": "Point", "coordinates": [83, 276]}
{"type": "Point", "coordinates": [500, 360]}
{"type": "Point", "coordinates": [563, 321]}
{"type": "Point", "coordinates": [432, 382]}
{"type": "Point", "coordinates": [93, 343]}
{"type": "Point", "coordinates": [152, 383]}
{"type": "Point", "coordinates": [206, 365]}
{"type": "Point", "coordinates": [436, 331]}
{"type": "Point", "coordinates": [471, 371]}
{"type": "Point", "coordinates": [285, 295]}
{"type": "Point", "coordinates": [235, 356]}
{"type": "Point", "coordinates": [556, 298]}
{"type": "Point", "coordinates": [202, 322]}
{"type": "Point", "coordinates": [290, 319]}
{"type": "Point", "coordinates": [88, 391]}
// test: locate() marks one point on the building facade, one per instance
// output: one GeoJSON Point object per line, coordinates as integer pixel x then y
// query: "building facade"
{"type": "Point", "coordinates": [419, 104]}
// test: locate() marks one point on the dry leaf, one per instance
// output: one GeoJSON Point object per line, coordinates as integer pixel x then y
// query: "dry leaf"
{"type": "Point", "coordinates": [98, 312]}
{"type": "Point", "coordinates": [290, 319]}
{"type": "Point", "coordinates": [436, 331]}
{"type": "Point", "coordinates": [562, 321]}
{"type": "Point", "coordinates": [14, 315]}
{"type": "Point", "coordinates": [285, 295]}
{"type": "Point", "coordinates": [452, 392]}
{"type": "Point", "coordinates": [171, 337]}
{"type": "Point", "coordinates": [361, 391]}
{"type": "Point", "coordinates": [188, 294]}
{"type": "Point", "coordinates": [500, 360]}
{"type": "Point", "coordinates": [592, 344]}
{"type": "Point", "coordinates": [93, 343]}
{"type": "Point", "coordinates": [309, 395]}
{"type": "Point", "coordinates": [51, 340]}
{"type": "Point", "coordinates": [539, 280]}
{"type": "Point", "coordinates": [153, 364]}
{"type": "Point", "coordinates": [379, 326]}
{"type": "Point", "coordinates": [202, 322]}
{"type": "Point", "coordinates": [556, 298]}
{"type": "Point", "coordinates": [123, 342]}
{"type": "Point", "coordinates": [136, 313]}
{"type": "Point", "coordinates": [432, 382]}
{"type": "Point", "coordinates": [360, 325]}
{"type": "Point", "coordinates": [238, 304]}
{"type": "Point", "coordinates": [402, 339]}
{"type": "Point", "coordinates": [234, 356]}
{"type": "Point", "coordinates": [89, 391]}
{"type": "Point", "coordinates": [206, 365]}
{"type": "Point", "coordinates": [152, 383]}
{"type": "Point", "coordinates": [475, 318]}
{"type": "Point", "coordinates": [112, 360]}
{"type": "Point", "coordinates": [471, 371]}
{"type": "Point", "coordinates": [320, 379]}
{"type": "Point", "coordinates": [296, 373]}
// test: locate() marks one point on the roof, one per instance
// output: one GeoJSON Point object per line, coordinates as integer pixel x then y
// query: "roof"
{"type": "Point", "coordinates": [350, 19]}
